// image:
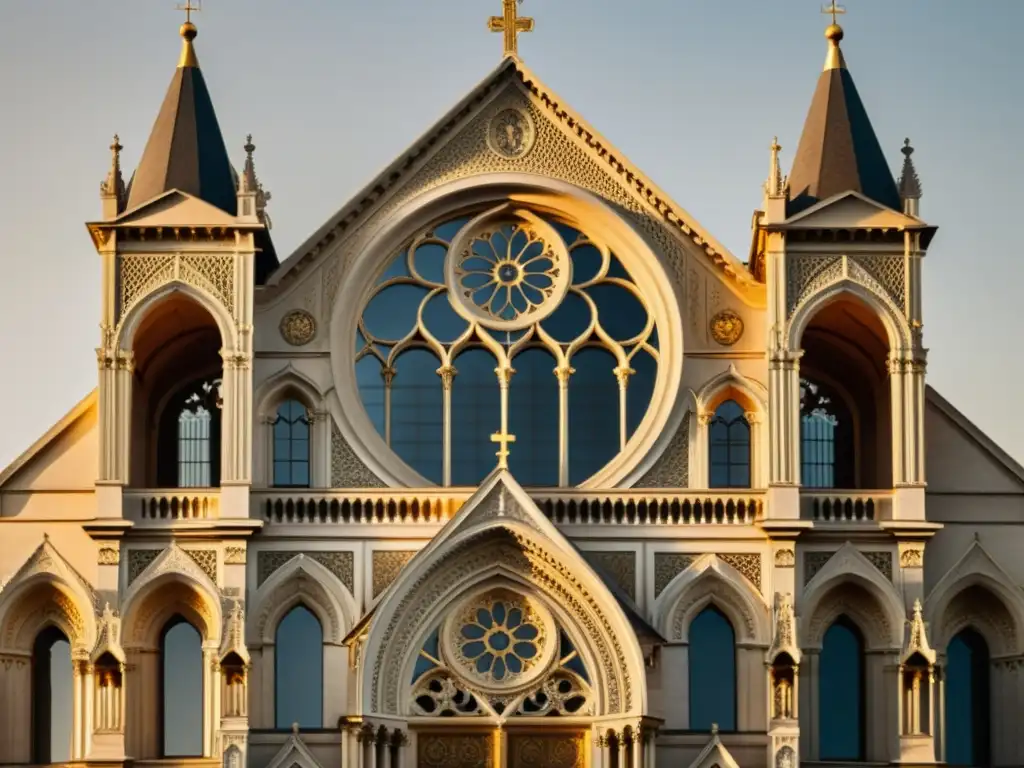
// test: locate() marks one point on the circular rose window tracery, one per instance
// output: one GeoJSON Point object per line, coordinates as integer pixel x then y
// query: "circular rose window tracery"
{"type": "Point", "coordinates": [506, 311]}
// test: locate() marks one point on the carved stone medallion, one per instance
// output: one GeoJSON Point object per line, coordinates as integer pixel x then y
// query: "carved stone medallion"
{"type": "Point", "coordinates": [298, 327]}
{"type": "Point", "coordinates": [726, 327]}
{"type": "Point", "coordinates": [511, 134]}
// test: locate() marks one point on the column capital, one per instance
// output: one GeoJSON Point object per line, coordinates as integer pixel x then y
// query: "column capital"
{"type": "Point", "coordinates": [447, 374]}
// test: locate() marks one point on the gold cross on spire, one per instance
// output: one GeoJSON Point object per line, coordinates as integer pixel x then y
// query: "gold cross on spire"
{"type": "Point", "coordinates": [511, 23]}
{"type": "Point", "coordinates": [834, 9]}
{"type": "Point", "coordinates": [188, 7]}
{"type": "Point", "coordinates": [503, 438]}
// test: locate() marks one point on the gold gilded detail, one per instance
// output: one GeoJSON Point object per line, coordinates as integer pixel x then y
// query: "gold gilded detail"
{"type": "Point", "coordinates": [511, 134]}
{"type": "Point", "coordinates": [726, 327]}
{"type": "Point", "coordinates": [511, 24]}
{"type": "Point", "coordinates": [298, 327]}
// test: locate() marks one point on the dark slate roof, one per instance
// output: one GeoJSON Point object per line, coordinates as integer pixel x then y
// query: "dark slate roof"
{"type": "Point", "coordinates": [185, 150]}
{"type": "Point", "coordinates": [838, 149]}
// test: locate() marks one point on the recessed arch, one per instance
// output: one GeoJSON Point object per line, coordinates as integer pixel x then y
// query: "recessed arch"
{"type": "Point", "coordinates": [710, 581]}
{"type": "Point", "coordinates": [732, 385]}
{"type": "Point", "coordinates": [541, 195]}
{"type": "Point", "coordinates": [134, 315]}
{"type": "Point", "coordinates": [286, 383]}
{"type": "Point", "coordinates": [897, 329]}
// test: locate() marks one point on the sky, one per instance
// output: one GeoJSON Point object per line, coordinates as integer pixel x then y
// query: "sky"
{"type": "Point", "coordinates": [692, 91]}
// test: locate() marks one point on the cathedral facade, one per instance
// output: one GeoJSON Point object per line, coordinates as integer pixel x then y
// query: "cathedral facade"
{"type": "Point", "coordinates": [511, 463]}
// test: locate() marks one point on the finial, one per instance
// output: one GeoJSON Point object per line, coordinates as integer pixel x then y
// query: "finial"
{"type": "Point", "coordinates": [910, 183]}
{"type": "Point", "coordinates": [776, 184]}
{"type": "Point", "coordinates": [714, 729]}
{"type": "Point", "coordinates": [295, 728]}
{"type": "Point", "coordinates": [249, 184]}
{"type": "Point", "coordinates": [188, 33]}
{"type": "Point", "coordinates": [113, 185]}
{"type": "Point", "coordinates": [511, 23]}
{"type": "Point", "coordinates": [834, 34]}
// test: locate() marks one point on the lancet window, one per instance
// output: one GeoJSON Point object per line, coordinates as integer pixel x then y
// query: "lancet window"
{"type": "Point", "coordinates": [826, 438]}
{"type": "Point", "coordinates": [291, 445]}
{"type": "Point", "coordinates": [190, 437]}
{"type": "Point", "coordinates": [841, 698]}
{"type": "Point", "coordinates": [506, 320]}
{"type": "Point", "coordinates": [299, 670]}
{"type": "Point", "coordinates": [51, 697]}
{"type": "Point", "coordinates": [501, 655]}
{"type": "Point", "coordinates": [967, 716]}
{"type": "Point", "coordinates": [729, 447]}
{"type": "Point", "coordinates": [181, 656]}
{"type": "Point", "coordinates": [712, 656]}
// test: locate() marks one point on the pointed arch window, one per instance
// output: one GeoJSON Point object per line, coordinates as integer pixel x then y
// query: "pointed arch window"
{"type": "Point", "coordinates": [291, 445]}
{"type": "Point", "coordinates": [968, 730]}
{"type": "Point", "coordinates": [189, 435]}
{"type": "Point", "coordinates": [512, 318]}
{"type": "Point", "coordinates": [299, 670]}
{"type": "Point", "coordinates": [841, 696]}
{"type": "Point", "coordinates": [181, 699]}
{"type": "Point", "coordinates": [712, 671]}
{"type": "Point", "coordinates": [826, 438]}
{"type": "Point", "coordinates": [51, 697]}
{"type": "Point", "coordinates": [729, 447]}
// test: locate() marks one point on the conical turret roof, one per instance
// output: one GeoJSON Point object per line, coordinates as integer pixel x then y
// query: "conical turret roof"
{"type": "Point", "coordinates": [838, 150]}
{"type": "Point", "coordinates": [186, 150]}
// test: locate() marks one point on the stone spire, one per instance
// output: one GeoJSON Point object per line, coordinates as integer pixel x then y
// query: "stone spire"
{"type": "Point", "coordinates": [112, 190]}
{"type": "Point", "coordinates": [252, 198]}
{"type": "Point", "coordinates": [185, 150]}
{"type": "Point", "coordinates": [910, 184]}
{"type": "Point", "coordinates": [838, 150]}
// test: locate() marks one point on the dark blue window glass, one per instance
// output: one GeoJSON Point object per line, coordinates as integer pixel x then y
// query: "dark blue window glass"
{"type": "Point", "coordinates": [476, 415]}
{"type": "Point", "coordinates": [729, 447]}
{"type": "Point", "coordinates": [291, 446]}
{"type": "Point", "coordinates": [712, 646]}
{"type": "Point", "coordinates": [826, 438]}
{"type": "Point", "coordinates": [371, 389]}
{"type": "Point", "coordinates": [182, 680]}
{"type": "Point", "coordinates": [299, 670]}
{"type": "Point", "coordinates": [967, 700]}
{"type": "Point", "coordinates": [417, 412]}
{"type": "Point", "coordinates": [593, 413]}
{"type": "Point", "coordinates": [51, 697]}
{"type": "Point", "coordinates": [640, 390]}
{"type": "Point", "coordinates": [841, 693]}
{"type": "Point", "coordinates": [533, 418]}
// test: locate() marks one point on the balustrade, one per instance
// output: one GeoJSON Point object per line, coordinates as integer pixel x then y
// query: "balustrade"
{"type": "Point", "coordinates": [841, 506]}
{"type": "Point", "coordinates": [170, 505]}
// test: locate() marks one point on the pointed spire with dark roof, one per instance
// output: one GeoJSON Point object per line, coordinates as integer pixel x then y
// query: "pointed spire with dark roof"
{"type": "Point", "coordinates": [185, 150]}
{"type": "Point", "coordinates": [838, 149]}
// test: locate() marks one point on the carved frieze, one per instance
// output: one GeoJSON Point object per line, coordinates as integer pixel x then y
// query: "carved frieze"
{"type": "Point", "coordinates": [911, 555]}
{"type": "Point", "coordinates": [109, 555]}
{"type": "Point", "coordinates": [387, 564]}
{"type": "Point", "coordinates": [234, 556]}
{"type": "Point", "coordinates": [785, 558]}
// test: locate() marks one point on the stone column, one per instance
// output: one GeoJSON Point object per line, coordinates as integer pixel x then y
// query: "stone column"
{"type": "Point", "coordinates": [447, 374]}
{"type": "Point", "coordinates": [564, 374]}
{"type": "Point", "coordinates": [757, 450]}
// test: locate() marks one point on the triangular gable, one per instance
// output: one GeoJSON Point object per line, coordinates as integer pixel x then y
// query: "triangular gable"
{"type": "Point", "coordinates": [85, 407]}
{"type": "Point", "coordinates": [851, 209]}
{"type": "Point", "coordinates": [714, 754]}
{"type": "Point", "coordinates": [294, 752]}
{"type": "Point", "coordinates": [1013, 471]}
{"type": "Point", "coordinates": [46, 559]}
{"type": "Point", "coordinates": [611, 162]}
{"type": "Point", "coordinates": [176, 208]}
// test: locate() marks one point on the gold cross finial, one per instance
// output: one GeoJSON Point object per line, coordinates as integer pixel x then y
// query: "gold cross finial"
{"type": "Point", "coordinates": [834, 9]}
{"type": "Point", "coordinates": [503, 438]}
{"type": "Point", "coordinates": [188, 7]}
{"type": "Point", "coordinates": [511, 23]}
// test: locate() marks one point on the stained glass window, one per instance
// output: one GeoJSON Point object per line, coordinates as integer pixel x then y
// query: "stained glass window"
{"type": "Point", "coordinates": [291, 446]}
{"type": "Point", "coordinates": [729, 449]}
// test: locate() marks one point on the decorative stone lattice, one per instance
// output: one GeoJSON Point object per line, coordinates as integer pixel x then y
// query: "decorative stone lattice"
{"type": "Point", "coordinates": [668, 565]}
{"type": "Point", "coordinates": [347, 469]}
{"type": "Point", "coordinates": [888, 271]}
{"type": "Point", "coordinates": [339, 563]}
{"type": "Point", "coordinates": [748, 564]}
{"type": "Point", "coordinates": [806, 275]}
{"type": "Point", "coordinates": [234, 556]}
{"type": "Point", "coordinates": [620, 566]}
{"type": "Point", "coordinates": [882, 275]}
{"type": "Point", "coordinates": [387, 564]}
{"type": "Point", "coordinates": [815, 561]}
{"type": "Point", "coordinates": [882, 561]}
{"type": "Point", "coordinates": [205, 559]}
{"type": "Point", "coordinates": [672, 469]}
{"type": "Point", "coordinates": [141, 274]}
{"type": "Point", "coordinates": [139, 560]}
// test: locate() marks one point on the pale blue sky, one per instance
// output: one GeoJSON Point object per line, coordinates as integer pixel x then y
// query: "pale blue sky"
{"type": "Point", "coordinates": [692, 91]}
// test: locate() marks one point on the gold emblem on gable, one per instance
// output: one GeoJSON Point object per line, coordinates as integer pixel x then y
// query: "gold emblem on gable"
{"type": "Point", "coordinates": [298, 327]}
{"type": "Point", "coordinates": [511, 134]}
{"type": "Point", "coordinates": [726, 327]}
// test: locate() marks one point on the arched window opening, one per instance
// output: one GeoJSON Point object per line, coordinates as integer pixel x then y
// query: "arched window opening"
{"type": "Point", "coordinates": [729, 447]}
{"type": "Point", "coordinates": [967, 715]}
{"type": "Point", "coordinates": [109, 685]}
{"type": "Point", "coordinates": [841, 714]}
{"type": "Point", "coordinates": [299, 670]}
{"type": "Point", "coordinates": [51, 697]}
{"type": "Point", "coordinates": [845, 406]}
{"type": "Point", "coordinates": [233, 688]}
{"type": "Point", "coordinates": [181, 699]}
{"type": "Point", "coordinates": [784, 688]}
{"type": "Point", "coordinates": [175, 420]}
{"type": "Point", "coordinates": [712, 661]}
{"type": "Point", "coordinates": [291, 445]}
{"type": "Point", "coordinates": [561, 305]}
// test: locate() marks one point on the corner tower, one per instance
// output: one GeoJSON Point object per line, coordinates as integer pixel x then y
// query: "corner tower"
{"type": "Point", "coordinates": [842, 250]}
{"type": "Point", "coordinates": [182, 244]}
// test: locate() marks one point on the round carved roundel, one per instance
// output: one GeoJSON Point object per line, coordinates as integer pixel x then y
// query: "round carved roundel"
{"type": "Point", "coordinates": [510, 134]}
{"type": "Point", "coordinates": [298, 327]}
{"type": "Point", "coordinates": [500, 641]}
{"type": "Point", "coordinates": [726, 327]}
{"type": "Point", "coordinates": [507, 270]}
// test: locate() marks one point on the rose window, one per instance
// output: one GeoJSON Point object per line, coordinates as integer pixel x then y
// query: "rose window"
{"type": "Point", "coordinates": [506, 312]}
{"type": "Point", "coordinates": [499, 642]}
